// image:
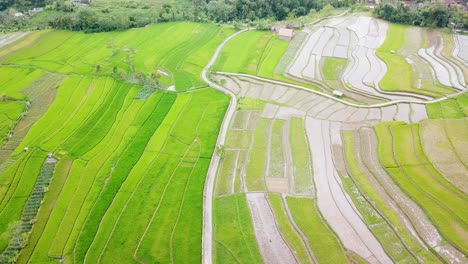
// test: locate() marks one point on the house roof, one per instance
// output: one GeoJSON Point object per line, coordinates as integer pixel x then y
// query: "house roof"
{"type": "Point", "coordinates": [285, 32]}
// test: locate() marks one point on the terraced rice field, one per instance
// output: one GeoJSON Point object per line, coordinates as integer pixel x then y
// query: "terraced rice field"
{"type": "Point", "coordinates": [354, 182]}
{"type": "Point", "coordinates": [98, 167]}
{"type": "Point", "coordinates": [372, 216]}
{"type": "Point", "coordinates": [116, 155]}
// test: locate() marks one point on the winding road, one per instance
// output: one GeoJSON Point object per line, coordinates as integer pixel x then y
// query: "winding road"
{"type": "Point", "coordinates": [207, 236]}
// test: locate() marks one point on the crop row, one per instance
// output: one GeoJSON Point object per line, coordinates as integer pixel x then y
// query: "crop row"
{"type": "Point", "coordinates": [401, 154]}
{"type": "Point", "coordinates": [30, 210]}
{"type": "Point", "coordinates": [182, 49]}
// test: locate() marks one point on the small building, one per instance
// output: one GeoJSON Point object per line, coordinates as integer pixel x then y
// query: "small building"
{"type": "Point", "coordinates": [36, 10]}
{"type": "Point", "coordinates": [18, 14]}
{"type": "Point", "coordinates": [286, 34]}
{"type": "Point", "coordinates": [276, 28]}
{"type": "Point", "coordinates": [337, 93]}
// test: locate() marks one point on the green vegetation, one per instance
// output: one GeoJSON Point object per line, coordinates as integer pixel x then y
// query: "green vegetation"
{"type": "Point", "coordinates": [396, 64]}
{"type": "Point", "coordinates": [276, 168]}
{"type": "Point", "coordinates": [234, 239]}
{"type": "Point", "coordinates": [449, 108]}
{"type": "Point", "coordinates": [332, 67]}
{"type": "Point", "coordinates": [108, 15]}
{"type": "Point", "coordinates": [256, 53]}
{"type": "Point", "coordinates": [10, 112]}
{"type": "Point", "coordinates": [302, 163]}
{"type": "Point", "coordinates": [226, 173]}
{"type": "Point", "coordinates": [287, 229]}
{"type": "Point", "coordinates": [400, 75]}
{"type": "Point", "coordinates": [245, 103]}
{"type": "Point", "coordinates": [181, 49]}
{"type": "Point", "coordinates": [22, 229]}
{"type": "Point", "coordinates": [257, 164]}
{"type": "Point", "coordinates": [17, 183]}
{"type": "Point", "coordinates": [424, 14]}
{"type": "Point", "coordinates": [323, 241]}
{"type": "Point", "coordinates": [120, 154]}
{"type": "Point", "coordinates": [412, 171]}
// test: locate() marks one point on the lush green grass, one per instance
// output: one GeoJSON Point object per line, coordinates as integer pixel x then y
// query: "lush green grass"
{"type": "Point", "coordinates": [10, 112]}
{"type": "Point", "coordinates": [17, 192]}
{"type": "Point", "coordinates": [332, 67]}
{"type": "Point", "coordinates": [56, 186]}
{"type": "Point", "coordinates": [323, 241]}
{"type": "Point", "coordinates": [256, 53]}
{"type": "Point", "coordinates": [159, 157]}
{"type": "Point", "coordinates": [182, 49]}
{"type": "Point", "coordinates": [246, 103]}
{"type": "Point", "coordinates": [399, 76]}
{"type": "Point", "coordinates": [449, 108]}
{"type": "Point", "coordinates": [442, 202]}
{"type": "Point", "coordinates": [233, 236]}
{"type": "Point", "coordinates": [120, 156]}
{"type": "Point", "coordinates": [301, 157]}
{"type": "Point", "coordinates": [13, 80]}
{"type": "Point", "coordinates": [26, 41]}
{"type": "Point", "coordinates": [293, 238]}
{"type": "Point", "coordinates": [245, 53]}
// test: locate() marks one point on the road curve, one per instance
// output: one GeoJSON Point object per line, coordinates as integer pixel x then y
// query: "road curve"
{"type": "Point", "coordinates": [207, 235]}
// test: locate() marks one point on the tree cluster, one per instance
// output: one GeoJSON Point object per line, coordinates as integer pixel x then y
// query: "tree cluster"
{"type": "Point", "coordinates": [424, 14]}
{"type": "Point", "coordinates": [223, 10]}
{"type": "Point", "coordinates": [121, 15]}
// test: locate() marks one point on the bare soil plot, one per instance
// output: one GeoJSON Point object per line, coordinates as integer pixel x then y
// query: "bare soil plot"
{"type": "Point", "coordinates": [461, 48]}
{"type": "Point", "coordinates": [270, 241]}
{"type": "Point", "coordinates": [286, 113]}
{"type": "Point", "coordinates": [270, 110]}
{"type": "Point", "coordinates": [6, 39]}
{"type": "Point", "coordinates": [277, 185]}
{"type": "Point", "coordinates": [388, 112]}
{"type": "Point", "coordinates": [418, 112]}
{"type": "Point", "coordinates": [403, 113]}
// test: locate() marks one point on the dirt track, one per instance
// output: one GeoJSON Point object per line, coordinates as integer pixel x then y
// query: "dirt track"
{"type": "Point", "coordinates": [272, 246]}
